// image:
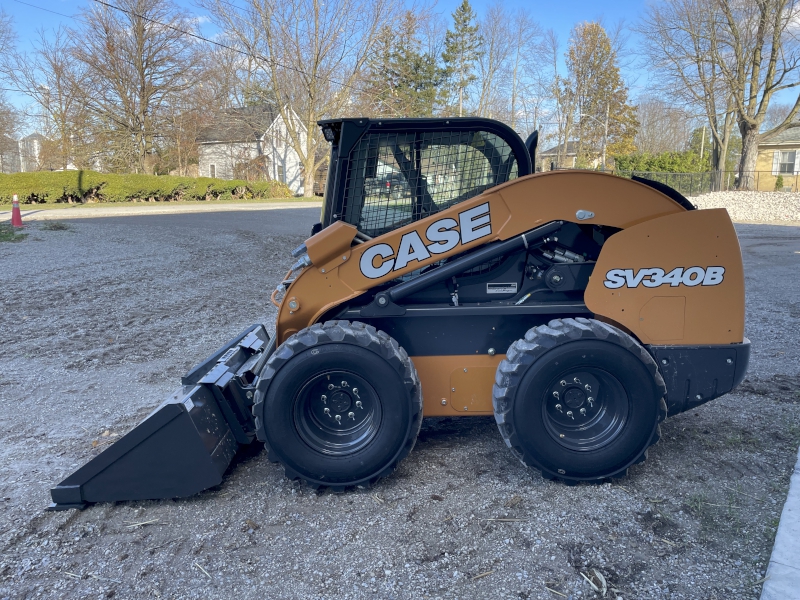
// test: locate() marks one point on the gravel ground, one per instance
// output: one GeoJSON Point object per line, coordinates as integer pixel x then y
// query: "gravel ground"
{"type": "Point", "coordinates": [99, 321]}
{"type": "Point", "coordinates": [754, 206]}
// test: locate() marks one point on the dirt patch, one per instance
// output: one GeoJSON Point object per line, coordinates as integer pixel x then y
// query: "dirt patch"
{"type": "Point", "coordinates": [98, 324]}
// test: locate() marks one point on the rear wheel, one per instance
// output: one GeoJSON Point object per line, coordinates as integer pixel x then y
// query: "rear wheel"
{"type": "Point", "coordinates": [579, 400]}
{"type": "Point", "coordinates": [338, 404]}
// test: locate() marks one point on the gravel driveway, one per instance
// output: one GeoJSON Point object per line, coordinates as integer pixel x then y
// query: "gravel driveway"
{"type": "Point", "coordinates": [99, 321]}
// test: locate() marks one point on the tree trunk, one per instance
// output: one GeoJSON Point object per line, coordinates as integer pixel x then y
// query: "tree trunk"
{"type": "Point", "coordinates": [308, 177]}
{"type": "Point", "coordinates": [747, 166]}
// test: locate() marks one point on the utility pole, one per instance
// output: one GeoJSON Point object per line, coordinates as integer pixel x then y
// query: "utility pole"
{"type": "Point", "coordinates": [703, 142]}
{"type": "Point", "coordinates": [605, 136]}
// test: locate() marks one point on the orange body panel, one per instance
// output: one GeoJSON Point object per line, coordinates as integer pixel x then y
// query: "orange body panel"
{"type": "Point", "coordinates": [515, 207]}
{"type": "Point", "coordinates": [703, 313]}
{"type": "Point", "coordinates": [473, 388]}
{"type": "Point", "coordinates": [657, 234]}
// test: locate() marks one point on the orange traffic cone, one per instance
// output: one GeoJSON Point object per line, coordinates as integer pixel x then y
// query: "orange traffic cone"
{"type": "Point", "coordinates": [16, 216]}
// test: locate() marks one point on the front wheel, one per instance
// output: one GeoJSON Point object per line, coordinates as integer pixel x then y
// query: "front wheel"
{"type": "Point", "coordinates": [339, 404]}
{"type": "Point", "coordinates": [579, 400]}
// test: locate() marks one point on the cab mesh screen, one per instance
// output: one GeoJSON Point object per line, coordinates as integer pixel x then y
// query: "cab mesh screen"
{"type": "Point", "coordinates": [397, 178]}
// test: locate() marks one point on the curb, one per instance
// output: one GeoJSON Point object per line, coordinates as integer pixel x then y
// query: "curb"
{"type": "Point", "coordinates": [783, 574]}
{"type": "Point", "coordinates": [135, 211]}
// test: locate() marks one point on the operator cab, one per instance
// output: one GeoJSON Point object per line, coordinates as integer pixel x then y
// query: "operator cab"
{"type": "Point", "coordinates": [390, 172]}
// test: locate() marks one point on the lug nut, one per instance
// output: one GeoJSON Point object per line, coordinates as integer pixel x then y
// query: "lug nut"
{"type": "Point", "coordinates": [563, 383]}
{"type": "Point", "coordinates": [355, 391]}
{"type": "Point", "coordinates": [324, 399]}
{"type": "Point", "coordinates": [327, 411]}
{"type": "Point", "coordinates": [590, 400]}
{"type": "Point", "coordinates": [330, 386]}
{"type": "Point", "coordinates": [587, 387]}
{"type": "Point", "coordinates": [358, 404]}
{"type": "Point", "coordinates": [569, 414]}
{"type": "Point", "coordinates": [345, 384]}
{"type": "Point", "coordinates": [555, 395]}
{"type": "Point", "coordinates": [583, 412]}
{"type": "Point", "coordinates": [558, 408]}
{"type": "Point", "coordinates": [338, 418]}
{"type": "Point", "coordinates": [576, 380]}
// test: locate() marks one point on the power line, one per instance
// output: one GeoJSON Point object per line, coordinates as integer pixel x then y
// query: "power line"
{"type": "Point", "coordinates": [221, 45]}
{"type": "Point", "coordinates": [44, 9]}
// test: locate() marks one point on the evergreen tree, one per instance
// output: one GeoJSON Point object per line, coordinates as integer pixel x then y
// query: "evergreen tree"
{"type": "Point", "coordinates": [462, 48]}
{"type": "Point", "coordinates": [404, 81]}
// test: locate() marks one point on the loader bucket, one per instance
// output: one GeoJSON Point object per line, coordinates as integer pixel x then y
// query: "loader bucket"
{"type": "Point", "coordinates": [187, 443]}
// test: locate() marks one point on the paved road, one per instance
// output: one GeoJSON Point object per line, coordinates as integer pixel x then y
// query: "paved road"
{"type": "Point", "coordinates": [78, 211]}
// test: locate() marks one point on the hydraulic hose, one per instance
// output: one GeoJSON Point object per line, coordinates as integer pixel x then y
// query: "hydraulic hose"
{"type": "Point", "coordinates": [278, 289]}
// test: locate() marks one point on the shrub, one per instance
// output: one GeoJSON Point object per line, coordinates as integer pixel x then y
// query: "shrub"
{"type": "Point", "coordinates": [779, 183]}
{"type": "Point", "coordinates": [90, 186]}
{"type": "Point", "coordinates": [666, 162]}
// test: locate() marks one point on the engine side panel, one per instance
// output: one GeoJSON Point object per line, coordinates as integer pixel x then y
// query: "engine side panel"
{"type": "Point", "coordinates": [674, 280]}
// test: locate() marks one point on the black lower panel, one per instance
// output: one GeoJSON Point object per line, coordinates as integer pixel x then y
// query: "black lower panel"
{"type": "Point", "coordinates": [696, 374]}
{"type": "Point", "coordinates": [443, 335]}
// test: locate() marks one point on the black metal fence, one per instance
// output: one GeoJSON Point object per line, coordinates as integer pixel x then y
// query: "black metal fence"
{"type": "Point", "coordinates": [694, 184]}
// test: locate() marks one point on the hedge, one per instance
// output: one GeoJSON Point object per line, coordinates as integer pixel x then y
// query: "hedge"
{"type": "Point", "coordinates": [90, 186]}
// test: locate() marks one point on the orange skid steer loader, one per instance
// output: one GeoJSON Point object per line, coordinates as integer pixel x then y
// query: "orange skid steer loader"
{"type": "Point", "coordinates": [446, 278]}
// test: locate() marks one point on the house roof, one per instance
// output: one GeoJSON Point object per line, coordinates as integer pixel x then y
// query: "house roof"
{"type": "Point", "coordinates": [787, 136]}
{"type": "Point", "coordinates": [33, 136]}
{"type": "Point", "coordinates": [572, 148]}
{"type": "Point", "coordinates": [246, 124]}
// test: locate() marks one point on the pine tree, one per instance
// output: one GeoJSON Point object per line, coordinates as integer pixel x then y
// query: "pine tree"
{"type": "Point", "coordinates": [462, 48]}
{"type": "Point", "coordinates": [404, 81]}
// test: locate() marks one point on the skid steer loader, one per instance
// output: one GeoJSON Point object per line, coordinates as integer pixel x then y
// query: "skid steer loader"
{"type": "Point", "coordinates": [446, 278]}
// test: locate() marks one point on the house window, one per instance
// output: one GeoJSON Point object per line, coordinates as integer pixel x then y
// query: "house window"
{"type": "Point", "coordinates": [786, 162]}
{"type": "Point", "coordinates": [212, 171]}
{"type": "Point", "coordinates": [281, 175]}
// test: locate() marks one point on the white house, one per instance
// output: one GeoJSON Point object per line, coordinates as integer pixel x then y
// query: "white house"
{"type": "Point", "coordinates": [250, 143]}
{"type": "Point", "coordinates": [21, 155]}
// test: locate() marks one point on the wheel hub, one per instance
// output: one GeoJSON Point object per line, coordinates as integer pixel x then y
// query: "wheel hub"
{"type": "Point", "coordinates": [572, 399]}
{"type": "Point", "coordinates": [341, 401]}
{"type": "Point", "coordinates": [337, 412]}
{"type": "Point", "coordinates": [585, 409]}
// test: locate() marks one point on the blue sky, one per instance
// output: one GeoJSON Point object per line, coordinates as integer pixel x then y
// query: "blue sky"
{"type": "Point", "coordinates": [559, 16]}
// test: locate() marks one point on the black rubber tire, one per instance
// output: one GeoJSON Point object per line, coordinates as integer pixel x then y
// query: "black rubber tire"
{"type": "Point", "coordinates": [522, 404]}
{"type": "Point", "coordinates": [369, 354]}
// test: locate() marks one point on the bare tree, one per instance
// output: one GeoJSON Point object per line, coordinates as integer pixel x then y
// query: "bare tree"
{"type": "Point", "coordinates": [527, 75]}
{"type": "Point", "coordinates": [10, 117]}
{"type": "Point", "coordinates": [308, 56]}
{"type": "Point", "coordinates": [563, 97]}
{"type": "Point", "coordinates": [759, 56]}
{"type": "Point", "coordinates": [728, 57]}
{"type": "Point", "coordinates": [776, 114]}
{"type": "Point", "coordinates": [492, 63]}
{"type": "Point", "coordinates": [682, 47]}
{"type": "Point", "coordinates": [662, 126]}
{"type": "Point", "coordinates": [137, 56]}
{"type": "Point", "coordinates": [52, 79]}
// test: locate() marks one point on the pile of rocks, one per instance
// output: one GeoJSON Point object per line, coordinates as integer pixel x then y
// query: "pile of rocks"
{"type": "Point", "coordinates": [753, 206]}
